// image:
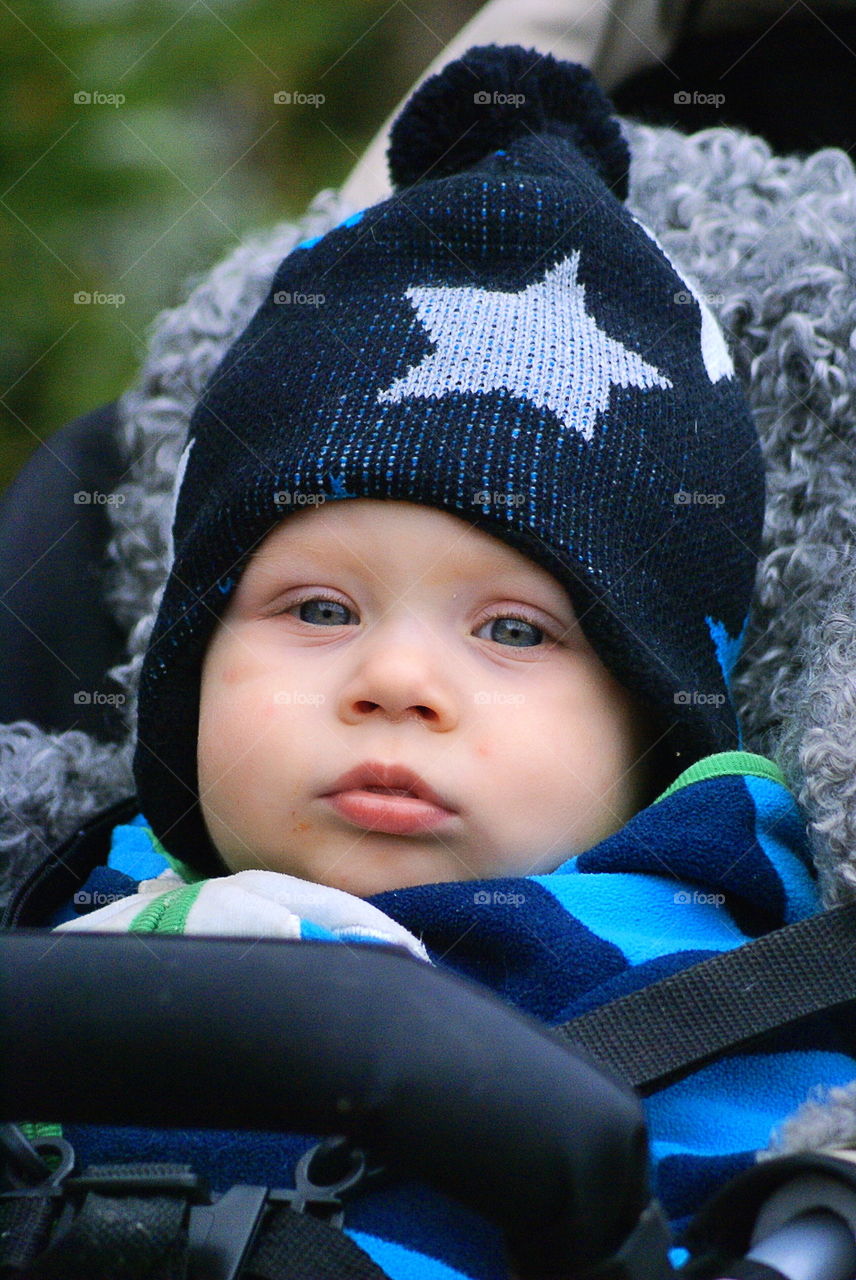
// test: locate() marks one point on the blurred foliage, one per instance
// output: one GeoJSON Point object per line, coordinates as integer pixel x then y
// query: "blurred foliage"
{"type": "Point", "coordinates": [133, 198]}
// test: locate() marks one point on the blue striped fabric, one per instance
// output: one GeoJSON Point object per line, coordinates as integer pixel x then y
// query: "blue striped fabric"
{"type": "Point", "coordinates": [714, 863]}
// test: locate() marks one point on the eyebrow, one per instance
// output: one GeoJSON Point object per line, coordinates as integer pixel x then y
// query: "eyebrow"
{"type": "Point", "coordinates": [475, 563]}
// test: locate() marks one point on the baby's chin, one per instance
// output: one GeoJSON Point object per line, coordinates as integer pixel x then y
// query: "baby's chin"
{"type": "Point", "coordinates": [378, 864]}
{"type": "Point", "coordinates": [367, 876]}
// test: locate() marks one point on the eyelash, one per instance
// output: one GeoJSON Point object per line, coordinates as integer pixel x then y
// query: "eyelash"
{"type": "Point", "coordinates": [520, 616]}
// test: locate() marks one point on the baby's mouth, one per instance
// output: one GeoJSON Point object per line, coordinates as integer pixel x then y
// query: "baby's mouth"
{"type": "Point", "coordinates": [393, 810]}
{"type": "Point", "coordinates": [390, 797]}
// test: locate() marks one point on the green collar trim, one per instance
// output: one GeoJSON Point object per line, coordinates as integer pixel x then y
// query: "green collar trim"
{"type": "Point", "coordinates": [722, 763]}
{"type": "Point", "coordinates": [168, 913]}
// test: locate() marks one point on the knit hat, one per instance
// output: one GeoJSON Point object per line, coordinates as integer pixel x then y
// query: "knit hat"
{"type": "Point", "coordinates": [503, 340]}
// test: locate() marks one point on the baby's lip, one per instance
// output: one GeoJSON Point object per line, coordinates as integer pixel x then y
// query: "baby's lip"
{"type": "Point", "coordinates": [391, 777]}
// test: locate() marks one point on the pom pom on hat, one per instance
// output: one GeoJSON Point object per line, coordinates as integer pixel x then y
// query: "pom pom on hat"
{"type": "Point", "coordinates": [494, 95]}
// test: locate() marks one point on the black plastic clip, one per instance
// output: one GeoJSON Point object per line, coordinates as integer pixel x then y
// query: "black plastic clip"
{"type": "Point", "coordinates": [24, 1162]}
{"type": "Point", "coordinates": [221, 1235]}
{"type": "Point", "coordinates": [324, 1175]}
{"type": "Point", "coordinates": [32, 1196]}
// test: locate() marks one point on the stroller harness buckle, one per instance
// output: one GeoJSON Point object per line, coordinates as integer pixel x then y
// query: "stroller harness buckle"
{"type": "Point", "coordinates": [221, 1235]}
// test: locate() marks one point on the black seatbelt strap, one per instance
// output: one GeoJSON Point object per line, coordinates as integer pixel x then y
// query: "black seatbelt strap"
{"type": "Point", "coordinates": [102, 1235]}
{"type": "Point", "coordinates": [160, 1222]}
{"type": "Point", "coordinates": [662, 1032]}
{"type": "Point", "coordinates": [296, 1246]}
{"type": "Point", "coordinates": [145, 1237]}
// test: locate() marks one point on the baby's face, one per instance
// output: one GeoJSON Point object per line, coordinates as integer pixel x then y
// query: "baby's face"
{"type": "Point", "coordinates": [385, 632]}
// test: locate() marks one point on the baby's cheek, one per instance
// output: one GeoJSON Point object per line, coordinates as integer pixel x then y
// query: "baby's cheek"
{"type": "Point", "coordinates": [235, 669]}
{"type": "Point", "coordinates": [229, 725]}
{"type": "Point", "coordinates": [242, 712]}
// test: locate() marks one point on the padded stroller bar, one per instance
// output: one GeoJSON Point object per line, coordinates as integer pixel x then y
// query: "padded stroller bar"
{"type": "Point", "coordinates": [429, 1071]}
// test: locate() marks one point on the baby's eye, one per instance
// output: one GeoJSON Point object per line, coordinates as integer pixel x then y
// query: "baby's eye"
{"type": "Point", "coordinates": [505, 629]}
{"type": "Point", "coordinates": [518, 632]}
{"type": "Point", "coordinates": [320, 611]}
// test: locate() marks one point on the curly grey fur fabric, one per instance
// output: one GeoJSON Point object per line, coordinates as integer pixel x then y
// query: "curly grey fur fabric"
{"type": "Point", "coordinates": [826, 1121]}
{"type": "Point", "coordinates": [769, 241]}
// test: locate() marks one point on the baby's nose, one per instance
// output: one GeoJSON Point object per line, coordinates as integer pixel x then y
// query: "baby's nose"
{"type": "Point", "coordinates": [403, 683]}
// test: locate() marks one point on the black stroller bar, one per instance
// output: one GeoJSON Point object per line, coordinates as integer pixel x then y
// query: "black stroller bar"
{"type": "Point", "coordinates": [428, 1071]}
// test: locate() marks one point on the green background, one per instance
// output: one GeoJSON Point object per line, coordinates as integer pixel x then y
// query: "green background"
{"type": "Point", "coordinates": [136, 199]}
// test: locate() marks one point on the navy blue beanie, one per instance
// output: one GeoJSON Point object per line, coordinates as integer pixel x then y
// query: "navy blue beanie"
{"type": "Point", "coordinates": [500, 339]}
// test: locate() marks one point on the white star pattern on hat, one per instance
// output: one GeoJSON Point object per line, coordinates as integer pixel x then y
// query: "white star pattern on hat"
{"type": "Point", "coordinates": [540, 344]}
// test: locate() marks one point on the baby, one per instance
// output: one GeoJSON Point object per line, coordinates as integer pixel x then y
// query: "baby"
{"type": "Point", "coordinates": [453, 667]}
{"type": "Point", "coordinates": [464, 546]}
